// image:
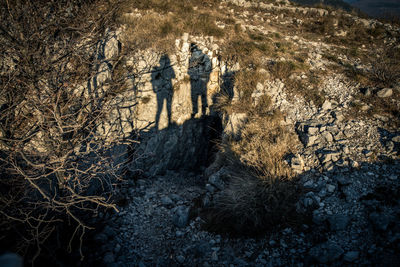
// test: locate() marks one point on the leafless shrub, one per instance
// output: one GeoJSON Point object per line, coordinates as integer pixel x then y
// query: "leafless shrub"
{"type": "Point", "coordinates": [56, 166]}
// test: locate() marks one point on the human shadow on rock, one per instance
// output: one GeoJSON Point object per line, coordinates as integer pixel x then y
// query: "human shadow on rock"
{"type": "Point", "coordinates": [161, 79]}
{"type": "Point", "coordinates": [199, 71]}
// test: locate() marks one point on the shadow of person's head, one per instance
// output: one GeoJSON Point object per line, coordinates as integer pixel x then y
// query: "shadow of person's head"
{"type": "Point", "coordinates": [193, 47]}
{"type": "Point", "coordinates": [165, 61]}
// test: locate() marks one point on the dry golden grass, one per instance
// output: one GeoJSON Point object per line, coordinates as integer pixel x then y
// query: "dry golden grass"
{"type": "Point", "coordinates": [146, 32]}
{"type": "Point", "coordinates": [161, 22]}
{"type": "Point", "coordinates": [262, 190]}
{"type": "Point", "coordinates": [264, 144]}
{"type": "Point", "coordinates": [248, 47]}
{"type": "Point", "coordinates": [282, 69]}
{"type": "Point", "coordinates": [245, 81]}
{"type": "Point", "coordinates": [202, 23]}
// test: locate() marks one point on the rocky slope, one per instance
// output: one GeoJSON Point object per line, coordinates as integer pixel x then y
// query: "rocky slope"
{"type": "Point", "coordinates": [346, 162]}
{"type": "Point", "coordinates": [250, 133]}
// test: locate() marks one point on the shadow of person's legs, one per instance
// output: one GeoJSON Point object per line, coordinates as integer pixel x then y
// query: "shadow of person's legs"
{"type": "Point", "coordinates": [204, 103]}
{"type": "Point", "coordinates": [160, 103]}
{"type": "Point", "coordinates": [194, 95]}
{"type": "Point", "coordinates": [169, 108]}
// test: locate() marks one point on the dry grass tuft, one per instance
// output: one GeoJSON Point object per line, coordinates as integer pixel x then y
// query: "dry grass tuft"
{"type": "Point", "coordinates": [263, 191]}
{"type": "Point", "coordinates": [282, 69]}
{"type": "Point", "coordinates": [245, 81]}
{"type": "Point", "coordinates": [264, 145]}
{"type": "Point", "coordinates": [203, 23]}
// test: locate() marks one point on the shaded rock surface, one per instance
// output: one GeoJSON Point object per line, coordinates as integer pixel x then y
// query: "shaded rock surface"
{"type": "Point", "coordinates": [178, 147]}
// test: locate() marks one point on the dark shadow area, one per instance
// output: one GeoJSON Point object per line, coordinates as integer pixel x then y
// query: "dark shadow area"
{"type": "Point", "coordinates": [161, 79]}
{"type": "Point", "coordinates": [251, 207]}
{"type": "Point", "coordinates": [386, 139]}
{"type": "Point", "coordinates": [242, 208]}
{"type": "Point", "coordinates": [383, 195]}
{"type": "Point", "coordinates": [199, 71]}
{"type": "Point", "coordinates": [188, 147]}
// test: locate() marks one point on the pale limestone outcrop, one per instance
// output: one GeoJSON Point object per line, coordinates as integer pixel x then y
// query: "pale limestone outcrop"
{"type": "Point", "coordinates": [173, 113]}
{"type": "Point", "coordinates": [166, 104]}
{"type": "Point", "coordinates": [168, 107]}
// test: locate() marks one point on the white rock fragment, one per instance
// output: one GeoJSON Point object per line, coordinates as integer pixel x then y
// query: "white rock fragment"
{"type": "Point", "coordinates": [386, 92]}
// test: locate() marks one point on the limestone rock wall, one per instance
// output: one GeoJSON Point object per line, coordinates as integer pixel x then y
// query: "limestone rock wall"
{"type": "Point", "coordinates": [166, 88]}
{"type": "Point", "coordinates": [180, 86]}
{"type": "Point", "coordinates": [168, 107]}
